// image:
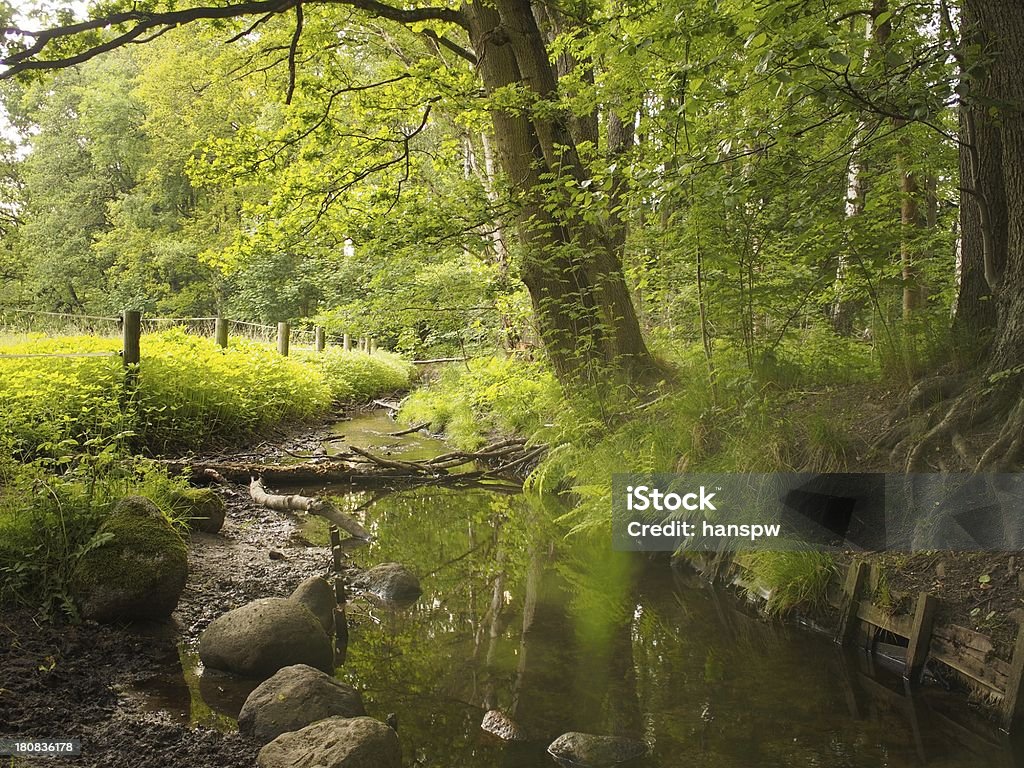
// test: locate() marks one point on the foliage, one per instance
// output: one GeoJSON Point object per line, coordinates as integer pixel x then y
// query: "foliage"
{"type": "Point", "coordinates": [49, 522]}
{"type": "Point", "coordinates": [791, 579]}
{"type": "Point", "coordinates": [189, 392]}
{"type": "Point", "coordinates": [494, 395]}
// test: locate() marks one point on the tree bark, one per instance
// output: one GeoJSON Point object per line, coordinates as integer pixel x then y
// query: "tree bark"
{"type": "Point", "coordinates": [997, 157]}
{"type": "Point", "coordinates": [570, 266]}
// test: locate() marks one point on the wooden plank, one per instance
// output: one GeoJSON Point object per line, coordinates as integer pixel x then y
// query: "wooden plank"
{"type": "Point", "coordinates": [992, 675]}
{"type": "Point", "coordinates": [1013, 702]}
{"type": "Point", "coordinates": [920, 637]}
{"type": "Point", "coordinates": [898, 625]}
{"type": "Point", "coordinates": [856, 575]}
{"type": "Point", "coordinates": [966, 639]}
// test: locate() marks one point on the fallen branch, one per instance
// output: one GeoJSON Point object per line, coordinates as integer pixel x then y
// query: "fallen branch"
{"type": "Point", "coordinates": [410, 430]}
{"type": "Point", "coordinates": [313, 506]}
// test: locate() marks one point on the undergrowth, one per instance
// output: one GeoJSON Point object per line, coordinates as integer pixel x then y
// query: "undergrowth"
{"type": "Point", "coordinates": [48, 522]}
{"type": "Point", "coordinates": [738, 425]}
{"type": "Point", "coordinates": [189, 392]}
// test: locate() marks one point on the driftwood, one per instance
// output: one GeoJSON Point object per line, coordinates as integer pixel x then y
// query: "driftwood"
{"type": "Point", "coordinates": [313, 506]}
{"type": "Point", "coordinates": [362, 468]}
{"type": "Point", "coordinates": [410, 430]}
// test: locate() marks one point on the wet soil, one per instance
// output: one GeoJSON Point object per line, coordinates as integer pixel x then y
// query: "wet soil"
{"type": "Point", "coordinates": [82, 681]}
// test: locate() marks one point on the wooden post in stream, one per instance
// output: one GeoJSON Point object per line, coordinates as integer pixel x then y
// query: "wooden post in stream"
{"type": "Point", "coordinates": [318, 338]}
{"type": "Point", "coordinates": [341, 597]}
{"type": "Point", "coordinates": [283, 337]}
{"type": "Point", "coordinates": [220, 332]}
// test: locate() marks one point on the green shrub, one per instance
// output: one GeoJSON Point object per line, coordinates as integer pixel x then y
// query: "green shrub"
{"type": "Point", "coordinates": [189, 392]}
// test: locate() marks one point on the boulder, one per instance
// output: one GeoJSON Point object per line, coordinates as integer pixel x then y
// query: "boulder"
{"type": "Point", "coordinates": [293, 698]}
{"type": "Point", "coordinates": [497, 723]}
{"type": "Point", "coordinates": [202, 509]}
{"type": "Point", "coordinates": [591, 751]}
{"type": "Point", "coordinates": [318, 596]}
{"type": "Point", "coordinates": [391, 582]}
{"type": "Point", "coordinates": [138, 573]}
{"type": "Point", "coordinates": [259, 638]}
{"type": "Point", "coordinates": [338, 742]}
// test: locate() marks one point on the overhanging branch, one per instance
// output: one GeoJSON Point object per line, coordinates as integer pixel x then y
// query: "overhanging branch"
{"type": "Point", "coordinates": [137, 23]}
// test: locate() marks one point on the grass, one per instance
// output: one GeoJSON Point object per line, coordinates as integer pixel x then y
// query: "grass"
{"type": "Point", "coordinates": [49, 522]}
{"type": "Point", "coordinates": [744, 426]}
{"type": "Point", "coordinates": [791, 579]}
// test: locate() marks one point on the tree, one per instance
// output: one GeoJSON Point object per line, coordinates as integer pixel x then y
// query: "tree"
{"type": "Point", "coordinates": [570, 263]}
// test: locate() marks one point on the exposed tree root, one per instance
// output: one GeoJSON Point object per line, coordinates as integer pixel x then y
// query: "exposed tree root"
{"type": "Point", "coordinates": [960, 411]}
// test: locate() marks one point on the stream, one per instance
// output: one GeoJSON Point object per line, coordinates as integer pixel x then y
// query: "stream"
{"type": "Point", "coordinates": [569, 635]}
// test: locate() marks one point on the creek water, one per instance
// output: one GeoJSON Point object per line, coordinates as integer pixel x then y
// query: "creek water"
{"type": "Point", "coordinates": [564, 634]}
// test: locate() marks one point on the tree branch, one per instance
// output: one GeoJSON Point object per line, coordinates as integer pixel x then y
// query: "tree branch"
{"type": "Point", "coordinates": [142, 22]}
{"type": "Point", "coordinates": [292, 50]}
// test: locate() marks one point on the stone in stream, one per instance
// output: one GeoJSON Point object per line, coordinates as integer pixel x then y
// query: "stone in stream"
{"type": "Point", "coordinates": [138, 573]}
{"type": "Point", "coordinates": [293, 698]}
{"type": "Point", "coordinates": [203, 509]}
{"type": "Point", "coordinates": [592, 751]}
{"type": "Point", "coordinates": [390, 582]}
{"type": "Point", "coordinates": [318, 596]}
{"type": "Point", "coordinates": [497, 723]}
{"type": "Point", "coordinates": [338, 742]}
{"type": "Point", "coordinates": [259, 638]}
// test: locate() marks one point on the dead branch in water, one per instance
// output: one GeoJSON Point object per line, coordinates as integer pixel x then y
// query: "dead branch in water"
{"type": "Point", "coordinates": [363, 468]}
{"type": "Point", "coordinates": [313, 506]}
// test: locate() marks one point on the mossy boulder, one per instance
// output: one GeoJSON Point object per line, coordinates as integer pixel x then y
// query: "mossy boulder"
{"type": "Point", "coordinates": [202, 509]}
{"type": "Point", "coordinates": [139, 573]}
{"type": "Point", "coordinates": [337, 742]}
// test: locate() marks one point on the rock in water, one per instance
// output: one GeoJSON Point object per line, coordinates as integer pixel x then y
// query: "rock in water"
{"type": "Point", "coordinates": [138, 573]}
{"type": "Point", "coordinates": [497, 723]}
{"type": "Point", "coordinates": [318, 596]}
{"type": "Point", "coordinates": [203, 509]}
{"type": "Point", "coordinates": [586, 749]}
{"type": "Point", "coordinates": [392, 582]}
{"type": "Point", "coordinates": [293, 698]}
{"type": "Point", "coordinates": [263, 636]}
{"type": "Point", "coordinates": [338, 742]}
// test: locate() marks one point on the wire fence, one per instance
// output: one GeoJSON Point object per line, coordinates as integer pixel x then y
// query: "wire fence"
{"type": "Point", "coordinates": [18, 324]}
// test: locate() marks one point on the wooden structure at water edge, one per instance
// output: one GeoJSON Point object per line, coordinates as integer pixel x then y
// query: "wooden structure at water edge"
{"type": "Point", "coordinates": [970, 654]}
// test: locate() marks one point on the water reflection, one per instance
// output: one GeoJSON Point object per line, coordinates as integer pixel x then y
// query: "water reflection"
{"type": "Point", "coordinates": [571, 636]}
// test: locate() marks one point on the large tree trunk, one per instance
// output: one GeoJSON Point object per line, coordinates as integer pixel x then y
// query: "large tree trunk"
{"type": "Point", "coordinates": [570, 266]}
{"type": "Point", "coordinates": [994, 208]}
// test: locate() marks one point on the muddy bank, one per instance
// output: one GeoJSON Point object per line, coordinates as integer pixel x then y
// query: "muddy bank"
{"type": "Point", "coordinates": [84, 681]}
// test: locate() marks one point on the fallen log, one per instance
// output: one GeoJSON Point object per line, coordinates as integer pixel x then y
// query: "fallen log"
{"type": "Point", "coordinates": [410, 430]}
{"type": "Point", "coordinates": [310, 505]}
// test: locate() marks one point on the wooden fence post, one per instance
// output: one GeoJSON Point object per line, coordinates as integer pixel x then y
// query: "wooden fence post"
{"type": "Point", "coordinates": [371, 345]}
{"type": "Point", "coordinates": [131, 354]}
{"type": "Point", "coordinates": [318, 338]}
{"type": "Point", "coordinates": [131, 321]}
{"type": "Point", "coordinates": [346, 342]}
{"type": "Point", "coordinates": [283, 337]}
{"type": "Point", "coordinates": [920, 637]}
{"type": "Point", "coordinates": [220, 332]}
{"type": "Point", "coordinates": [855, 579]}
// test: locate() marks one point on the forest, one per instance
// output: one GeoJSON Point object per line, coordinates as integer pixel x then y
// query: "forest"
{"type": "Point", "coordinates": [586, 237]}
